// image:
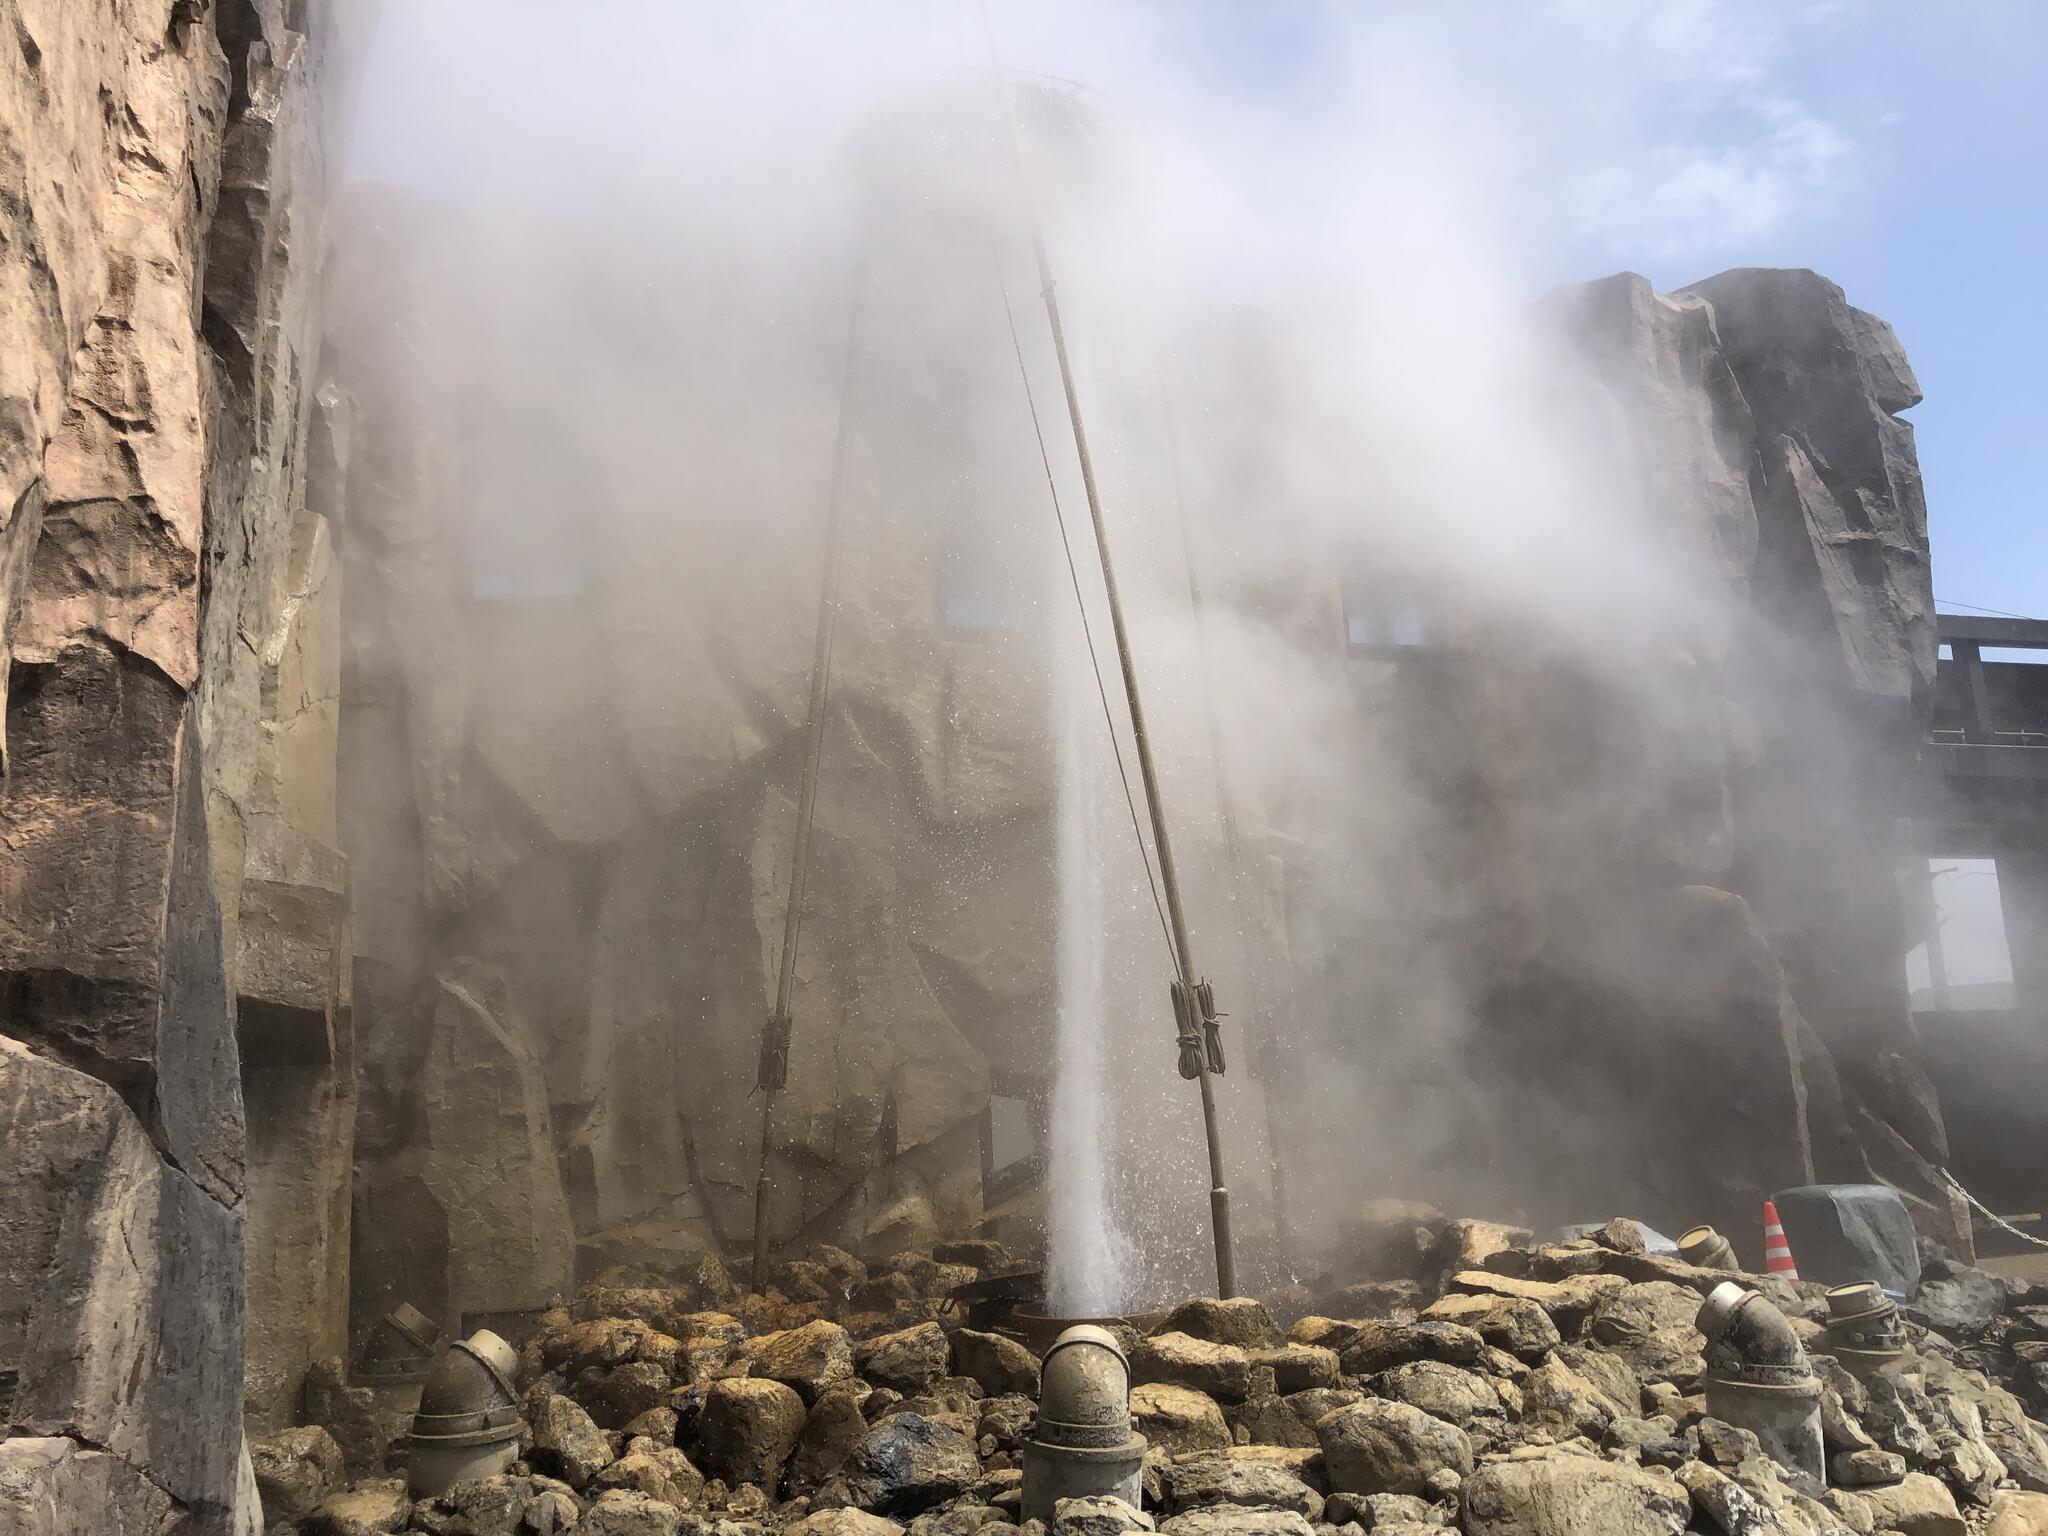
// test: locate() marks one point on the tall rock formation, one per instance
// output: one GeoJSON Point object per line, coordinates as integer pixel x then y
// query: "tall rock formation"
{"type": "Point", "coordinates": [169, 846]}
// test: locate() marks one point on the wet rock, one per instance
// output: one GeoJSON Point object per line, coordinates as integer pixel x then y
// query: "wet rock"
{"type": "Point", "coordinates": [622, 1513]}
{"type": "Point", "coordinates": [975, 1252]}
{"type": "Point", "coordinates": [1240, 1321]}
{"type": "Point", "coordinates": [1398, 1300]}
{"type": "Point", "coordinates": [1865, 1468]}
{"type": "Point", "coordinates": [1569, 1301]}
{"type": "Point", "coordinates": [1299, 1367]}
{"type": "Point", "coordinates": [1732, 1508]}
{"type": "Point", "coordinates": [1204, 1481]}
{"type": "Point", "coordinates": [1228, 1520]}
{"type": "Point", "coordinates": [485, 1506]}
{"type": "Point", "coordinates": [747, 1429]}
{"type": "Point", "coordinates": [370, 1509]}
{"type": "Point", "coordinates": [1561, 1494]}
{"type": "Point", "coordinates": [1557, 1401]}
{"type": "Point", "coordinates": [1007, 1418]}
{"type": "Point", "coordinates": [963, 1517]}
{"type": "Point", "coordinates": [1725, 1444]}
{"type": "Point", "coordinates": [1377, 1346]}
{"type": "Point", "coordinates": [1917, 1505]}
{"type": "Point", "coordinates": [806, 1359]}
{"type": "Point", "coordinates": [1380, 1447]}
{"type": "Point", "coordinates": [1104, 1515]}
{"type": "Point", "coordinates": [834, 1427]}
{"type": "Point", "coordinates": [656, 1424]}
{"type": "Point", "coordinates": [664, 1474]}
{"type": "Point", "coordinates": [550, 1511]}
{"type": "Point", "coordinates": [908, 1361]}
{"type": "Point", "coordinates": [1520, 1327]}
{"type": "Point", "coordinates": [617, 1395]}
{"type": "Point", "coordinates": [1955, 1300]}
{"type": "Point", "coordinates": [296, 1470]}
{"type": "Point", "coordinates": [845, 1521]}
{"type": "Point", "coordinates": [1466, 1244]}
{"type": "Point", "coordinates": [1443, 1391]}
{"type": "Point", "coordinates": [566, 1442]}
{"type": "Point", "coordinates": [909, 1464]}
{"type": "Point", "coordinates": [1269, 1421]}
{"type": "Point", "coordinates": [1177, 1420]}
{"type": "Point", "coordinates": [2018, 1514]}
{"type": "Point", "coordinates": [1180, 1360]}
{"type": "Point", "coordinates": [1651, 1326]}
{"type": "Point", "coordinates": [350, 1414]}
{"type": "Point", "coordinates": [1649, 1442]}
{"type": "Point", "coordinates": [999, 1364]}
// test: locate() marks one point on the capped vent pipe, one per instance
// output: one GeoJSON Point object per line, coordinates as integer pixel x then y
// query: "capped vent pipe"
{"type": "Point", "coordinates": [1708, 1249]}
{"type": "Point", "coordinates": [468, 1422]}
{"type": "Point", "coordinates": [1863, 1330]}
{"type": "Point", "coordinates": [1758, 1377]}
{"type": "Point", "coordinates": [1084, 1445]}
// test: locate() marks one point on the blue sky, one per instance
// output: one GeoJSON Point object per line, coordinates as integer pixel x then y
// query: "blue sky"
{"type": "Point", "coordinates": [1895, 147]}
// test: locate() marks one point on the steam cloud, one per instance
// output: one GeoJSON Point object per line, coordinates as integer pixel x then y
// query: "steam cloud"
{"type": "Point", "coordinates": [1315, 234]}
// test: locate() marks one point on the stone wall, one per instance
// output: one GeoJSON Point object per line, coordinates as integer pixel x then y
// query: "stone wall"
{"type": "Point", "coordinates": [169, 862]}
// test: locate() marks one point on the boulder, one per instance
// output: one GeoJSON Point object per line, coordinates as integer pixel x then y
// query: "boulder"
{"type": "Point", "coordinates": [566, 1442]}
{"type": "Point", "coordinates": [369, 1509]}
{"type": "Point", "coordinates": [747, 1429]}
{"type": "Point", "coordinates": [1558, 1402]}
{"type": "Point", "coordinates": [623, 1513]}
{"type": "Point", "coordinates": [834, 1428]}
{"type": "Point", "coordinates": [1204, 1481]}
{"type": "Point", "coordinates": [1520, 1327]}
{"type": "Point", "coordinates": [1176, 1420]}
{"type": "Point", "coordinates": [908, 1361]}
{"type": "Point", "coordinates": [296, 1470]}
{"type": "Point", "coordinates": [1103, 1515]}
{"type": "Point", "coordinates": [1957, 1301]}
{"type": "Point", "coordinates": [1299, 1367]}
{"type": "Point", "coordinates": [845, 1521]}
{"type": "Point", "coordinates": [1568, 1301]}
{"type": "Point", "coordinates": [1180, 1360]}
{"type": "Point", "coordinates": [807, 1359]}
{"type": "Point", "coordinates": [2018, 1514]}
{"type": "Point", "coordinates": [1228, 1520]}
{"type": "Point", "coordinates": [1443, 1391]}
{"type": "Point", "coordinates": [908, 1464]}
{"type": "Point", "coordinates": [1379, 1346]}
{"type": "Point", "coordinates": [664, 1474]}
{"type": "Point", "coordinates": [1380, 1447]}
{"type": "Point", "coordinates": [617, 1395]}
{"type": "Point", "coordinates": [1000, 1364]}
{"type": "Point", "coordinates": [350, 1414]}
{"type": "Point", "coordinates": [495, 1505]}
{"type": "Point", "coordinates": [1560, 1494]}
{"type": "Point", "coordinates": [1917, 1505]}
{"type": "Point", "coordinates": [1241, 1321]}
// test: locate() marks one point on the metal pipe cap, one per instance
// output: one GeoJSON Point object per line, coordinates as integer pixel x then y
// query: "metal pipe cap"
{"type": "Point", "coordinates": [1720, 1307]}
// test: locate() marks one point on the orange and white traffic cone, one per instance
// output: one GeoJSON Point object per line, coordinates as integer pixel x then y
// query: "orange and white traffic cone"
{"type": "Point", "coordinates": [1777, 1252]}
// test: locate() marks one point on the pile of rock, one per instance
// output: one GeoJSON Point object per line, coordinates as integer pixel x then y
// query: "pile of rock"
{"type": "Point", "coordinates": [1524, 1390]}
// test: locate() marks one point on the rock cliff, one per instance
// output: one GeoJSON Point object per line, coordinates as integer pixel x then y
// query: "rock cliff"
{"type": "Point", "coordinates": [169, 869]}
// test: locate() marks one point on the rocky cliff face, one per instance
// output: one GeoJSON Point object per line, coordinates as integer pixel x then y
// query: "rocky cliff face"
{"type": "Point", "coordinates": [1668, 844]}
{"type": "Point", "coordinates": [169, 862]}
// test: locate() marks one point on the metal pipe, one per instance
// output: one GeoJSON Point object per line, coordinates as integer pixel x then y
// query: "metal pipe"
{"type": "Point", "coordinates": [1219, 1191]}
{"type": "Point", "coordinates": [1259, 966]}
{"type": "Point", "coordinates": [775, 1040]}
